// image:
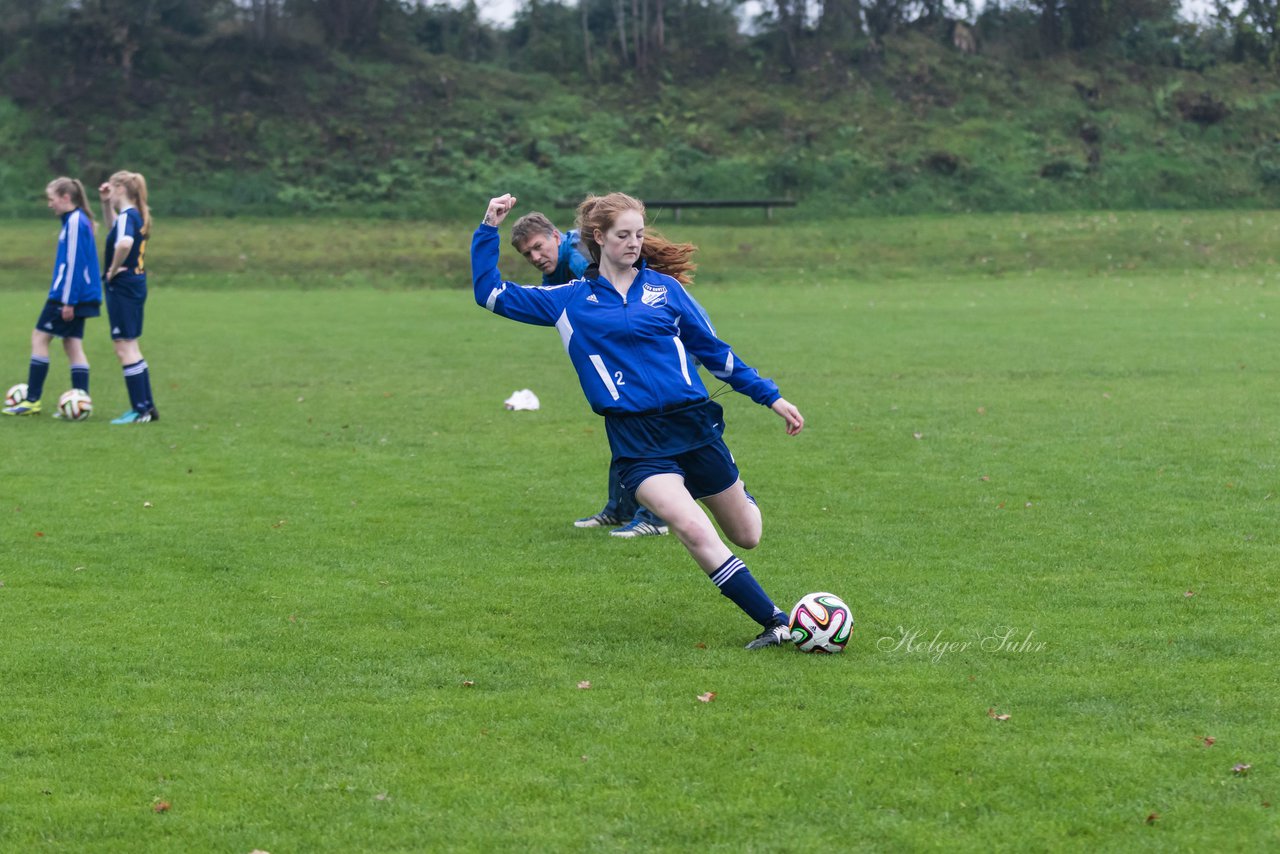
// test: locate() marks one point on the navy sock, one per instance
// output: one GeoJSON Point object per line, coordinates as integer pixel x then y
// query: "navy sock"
{"type": "Point", "coordinates": [135, 379]}
{"type": "Point", "coordinates": [80, 377]}
{"type": "Point", "coordinates": [736, 582]}
{"type": "Point", "coordinates": [146, 380]}
{"type": "Point", "coordinates": [35, 377]}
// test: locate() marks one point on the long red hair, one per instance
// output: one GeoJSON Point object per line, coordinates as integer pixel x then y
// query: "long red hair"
{"type": "Point", "coordinates": [601, 212]}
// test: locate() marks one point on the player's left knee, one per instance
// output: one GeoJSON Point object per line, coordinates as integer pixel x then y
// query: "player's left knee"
{"type": "Point", "coordinates": [747, 539]}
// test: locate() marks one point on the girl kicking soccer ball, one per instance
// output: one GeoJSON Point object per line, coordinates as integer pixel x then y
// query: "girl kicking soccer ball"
{"type": "Point", "coordinates": [633, 333]}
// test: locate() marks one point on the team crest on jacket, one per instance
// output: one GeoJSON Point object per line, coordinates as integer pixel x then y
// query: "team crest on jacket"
{"type": "Point", "coordinates": [654, 295]}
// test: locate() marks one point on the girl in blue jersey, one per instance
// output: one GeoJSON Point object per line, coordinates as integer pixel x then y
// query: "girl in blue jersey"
{"type": "Point", "coordinates": [124, 207]}
{"type": "Point", "coordinates": [633, 334]}
{"type": "Point", "coordinates": [75, 293]}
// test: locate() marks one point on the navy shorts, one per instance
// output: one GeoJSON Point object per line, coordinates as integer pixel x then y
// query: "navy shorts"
{"type": "Point", "coordinates": [708, 470]}
{"type": "Point", "coordinates": [51, 322]}
{"type": "Point", "coordinates": [124, 309]}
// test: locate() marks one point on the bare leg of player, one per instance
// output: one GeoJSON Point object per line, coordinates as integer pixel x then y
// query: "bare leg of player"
{"type": "Point", "coordinates": [666, 496]}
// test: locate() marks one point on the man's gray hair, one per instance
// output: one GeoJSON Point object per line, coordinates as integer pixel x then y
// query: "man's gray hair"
{"type": "Point", "coordinates": [532, 223]}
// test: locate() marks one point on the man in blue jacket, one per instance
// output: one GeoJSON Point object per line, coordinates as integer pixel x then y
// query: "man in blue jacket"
{"type": "Point", "coordinates": [561, 260]}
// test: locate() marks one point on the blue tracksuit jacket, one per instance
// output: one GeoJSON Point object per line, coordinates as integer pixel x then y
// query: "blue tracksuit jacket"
{"type": "Point", "coordinates": [570, 264]}
{"type": "Point", "coordinates": [76, 277]}
{"type": "Point", "coordinates": [633, 355]}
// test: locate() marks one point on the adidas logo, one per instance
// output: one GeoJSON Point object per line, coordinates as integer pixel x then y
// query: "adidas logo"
{"type": "Point", "coordinates": [115, 330]}
{"type": "Point", "coordinates": [592, 298]}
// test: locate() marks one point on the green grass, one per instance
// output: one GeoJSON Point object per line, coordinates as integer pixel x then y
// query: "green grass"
{"type": "Point", "coordinates": [333, 602]}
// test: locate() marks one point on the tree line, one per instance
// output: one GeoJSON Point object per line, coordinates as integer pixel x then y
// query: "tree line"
{"type": "Point", "coordinates": [597, 38]}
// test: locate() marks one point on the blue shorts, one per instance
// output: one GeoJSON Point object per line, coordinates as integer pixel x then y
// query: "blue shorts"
{"type": "Point", "coordinates": [124, 309]}
{"type": "Point", "coordinates": [51, 321]}
{"type": "Point", "coordinates": [653, 435]}
{"type": "Point", "coordinates": [708, 470]}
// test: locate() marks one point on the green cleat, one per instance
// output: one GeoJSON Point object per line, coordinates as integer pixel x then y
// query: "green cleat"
{"type": "Point", "coordinates": [27, 407]}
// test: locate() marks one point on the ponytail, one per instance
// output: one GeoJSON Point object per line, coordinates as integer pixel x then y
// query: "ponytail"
{"type": "Point", "coordinates": [74, 190]}
{"type": "Point", "coordinates": [136, 186]}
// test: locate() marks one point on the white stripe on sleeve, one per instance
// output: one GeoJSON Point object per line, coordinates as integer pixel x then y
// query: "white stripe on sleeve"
{"type": "Point", "coordinates": [493, 298]}
{"type": "Point", "coordinates": [565, 328]}
{"type": "Point", "coordinates": [728, 368]}
{"type": "Point", "coordinates": [73, 241]}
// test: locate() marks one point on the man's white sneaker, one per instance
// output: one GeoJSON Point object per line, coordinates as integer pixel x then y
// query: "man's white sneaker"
{"type": "Point", "coordinates": [639, 528]}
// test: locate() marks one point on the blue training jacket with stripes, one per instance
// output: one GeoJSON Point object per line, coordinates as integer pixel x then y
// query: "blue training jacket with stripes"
{"type": "Point", "coordinates": [77, 278]}
{"type": "Point", "coordinates": [633, 355]}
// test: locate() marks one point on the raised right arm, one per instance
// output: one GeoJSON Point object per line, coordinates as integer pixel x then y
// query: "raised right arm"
{"type": "Point", "coordinates": [540, 306]}
{"type": "Point", "coordinates": [108, 212]}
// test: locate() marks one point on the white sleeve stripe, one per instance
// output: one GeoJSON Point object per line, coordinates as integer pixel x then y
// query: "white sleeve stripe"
{"type": "Point", "coordinates": [728, 368]}
{"type": "Point", "coordinates": [493, 298]}
{"type": "Point", "coordinates": [565, 328]}
{"type": "Point", "coordinates": [684, 361]}
{"type": "Point", "coordinates": [604, 375]}
{"type": "Point", "coordinates": [73, 240]}
{"type": "Point", "coordinates": [122, 222]}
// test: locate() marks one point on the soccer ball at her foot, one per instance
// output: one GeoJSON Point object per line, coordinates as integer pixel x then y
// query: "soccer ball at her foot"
{"type": "Point", "coordinates": [821, 622]}
{"type": "Point", "coordinates": [15, 395]}
{"type": "Point", "coordinates": [75, 405]}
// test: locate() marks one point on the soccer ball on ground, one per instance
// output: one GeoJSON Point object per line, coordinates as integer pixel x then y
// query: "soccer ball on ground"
{"type": "Point", "coordinates": [75, 405]}
{"type": "Point", "coordinates": [15, 395]}
{"type": "Point", "coordinates": [821, 622]}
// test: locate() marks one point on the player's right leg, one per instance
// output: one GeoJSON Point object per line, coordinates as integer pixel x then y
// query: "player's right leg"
{"type": "Point", "coordinates": [137, 382]}
{"type": "Point", "coordinates": [37, 371]}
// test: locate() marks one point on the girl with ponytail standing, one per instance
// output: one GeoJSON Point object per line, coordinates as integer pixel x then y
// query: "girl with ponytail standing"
{"type": "Point", "coordinates": [124, 207]}
{"type": "Point", "coordinates": [76, 293]}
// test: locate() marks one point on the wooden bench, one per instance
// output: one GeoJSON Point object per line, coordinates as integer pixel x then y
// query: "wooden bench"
{"type": "Point", "coordinates": [676, 204]}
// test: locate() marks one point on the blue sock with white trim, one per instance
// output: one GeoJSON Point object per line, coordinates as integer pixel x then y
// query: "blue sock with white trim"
{"type": "Point", "coordinates": [135, 379]}
{"type": "Point", "coordinates": [80, 377]}
{"type": "Point", "coordinates": [146, 381]}
{"type": "Point", "coordinates": [736, 582]}
{"type": "Point", "coordinates": [35, 377]}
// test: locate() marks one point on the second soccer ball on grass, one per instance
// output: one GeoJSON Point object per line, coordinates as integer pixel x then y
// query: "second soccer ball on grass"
{"type": "Point", "coordinates": [75, 405]}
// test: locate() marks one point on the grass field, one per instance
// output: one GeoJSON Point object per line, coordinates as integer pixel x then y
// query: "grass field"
{"type": "Point", "coordinates": [333, 602]}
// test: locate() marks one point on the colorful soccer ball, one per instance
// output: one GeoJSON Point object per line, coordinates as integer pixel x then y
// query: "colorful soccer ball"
{"type": "Point", "coordinates": [75, 405]}
{"type": "Point", "coordinates": [15, 395]}
{"type": "Point", "coordinates": [821, 622]}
